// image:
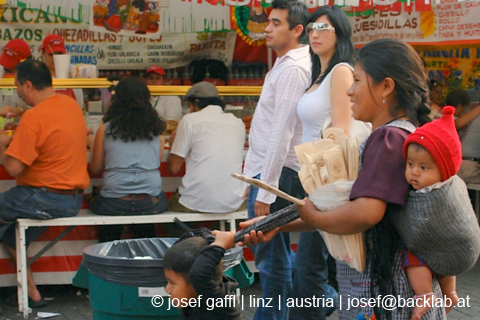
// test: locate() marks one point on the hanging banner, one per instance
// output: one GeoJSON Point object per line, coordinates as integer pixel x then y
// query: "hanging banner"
{"type": "Point", "coordinates": [250, 23]}
{"type": "Point", "coordinates": [111, 50]}
{"type": "Point", "coordinates": [126, 17]}
{"type": "Point", "coordinates": [450, 22]}
{"type": "Point", "coordinates": [455, 67]}
{"type": "Point", "coordinates": [129, 16]}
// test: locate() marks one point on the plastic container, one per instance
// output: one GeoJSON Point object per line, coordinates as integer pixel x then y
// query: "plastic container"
{"type": "Point", "coordinates": [122, 277]}
{"type": "Point", "coordinates": [242, 274]}
{"type": "Point", "coordinates": [110, 301]}
{"type": "Point", "coordinates": [138, 262]}
{"type": "Point", "coordinates": [10, 126]}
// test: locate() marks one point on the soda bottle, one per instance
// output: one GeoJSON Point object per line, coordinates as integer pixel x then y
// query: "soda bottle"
{"type": "Point", "coordinates": [10, 126]}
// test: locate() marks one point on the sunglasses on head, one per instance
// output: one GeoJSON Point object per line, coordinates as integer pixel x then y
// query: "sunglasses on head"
{"type": "Point", "coordinates": [320, 26]}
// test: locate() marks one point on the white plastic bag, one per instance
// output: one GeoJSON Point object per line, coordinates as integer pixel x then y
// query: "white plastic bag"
{"type": "Point", "coordinates": [348, 249]}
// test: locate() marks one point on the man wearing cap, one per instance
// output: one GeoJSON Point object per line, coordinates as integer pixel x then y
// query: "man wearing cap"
{"type": "Point", "coordinates": [211, 143]}
{"type": "Point", "coordinates": [14, 52]}
{"type": "Point", "coordinates": [54, 44]}
{"type": "Point", "coordinates": [47, 157]}
{"type": "Point", "coordinates": [168, 107]}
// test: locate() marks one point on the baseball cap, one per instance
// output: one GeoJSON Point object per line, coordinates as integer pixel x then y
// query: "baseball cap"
{"type": "Point", "coordinates": [53, 43]}
{"type": "Point", "coordinates": [202, 90]}
{"type": "Point", "coordinates": [15, 51]}
{"type": "Point", "coordinates": [157, 69]}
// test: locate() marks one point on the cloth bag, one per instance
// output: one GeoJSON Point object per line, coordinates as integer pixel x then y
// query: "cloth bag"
{"type": "Point", "coordinates": [441, 228]}
{"type": "Point", "coordinates": [359, 129]}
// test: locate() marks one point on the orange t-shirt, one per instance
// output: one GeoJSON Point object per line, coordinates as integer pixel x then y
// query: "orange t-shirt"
{"type": "Point", "coordinates": [67, 92]}
{"type": "Point", "coordinates": [51, 140]}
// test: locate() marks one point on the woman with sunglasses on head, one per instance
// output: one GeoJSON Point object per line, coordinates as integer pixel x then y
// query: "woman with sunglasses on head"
{"type": "Point", "coordinates": [331, 49]}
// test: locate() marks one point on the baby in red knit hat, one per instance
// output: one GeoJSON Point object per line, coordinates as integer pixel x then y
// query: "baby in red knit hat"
{"type": "Point", "coordinates": [433, 157]}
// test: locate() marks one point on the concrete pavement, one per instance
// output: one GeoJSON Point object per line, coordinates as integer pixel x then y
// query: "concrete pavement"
{"type": "Point", "coordinates": [72, 303]}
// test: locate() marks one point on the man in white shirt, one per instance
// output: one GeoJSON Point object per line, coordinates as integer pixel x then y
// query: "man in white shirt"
{"type": "Point", "coordinates": [275, 130]}
{"type": "Point", "coordinates": [211, 143]}
{"type": "Point", "coordinates": [168, 107]}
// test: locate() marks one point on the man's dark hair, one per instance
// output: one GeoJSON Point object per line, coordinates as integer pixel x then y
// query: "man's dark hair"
{"type": "Point", "coordinates": [297, 14]}
{"type": "Point", "coordinates": [34, 71]}
{"type": "Point", "coordinates": [456, 97]}
{"type": "Point", "coordinates": [182, 255]}
{"type": "Point", "coordinates": [203, 102]}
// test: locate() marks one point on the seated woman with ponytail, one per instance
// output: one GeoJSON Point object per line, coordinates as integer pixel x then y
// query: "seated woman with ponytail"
{"type": "Point", "coordinates": [129, 145]}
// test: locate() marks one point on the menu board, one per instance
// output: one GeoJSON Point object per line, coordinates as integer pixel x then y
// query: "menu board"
{"type": "Point", "coordinates": [114, 51]}
{"type": "Point", "coordinates": [175, 44]}
{"type": "Point", "coordinates": [450, 21]}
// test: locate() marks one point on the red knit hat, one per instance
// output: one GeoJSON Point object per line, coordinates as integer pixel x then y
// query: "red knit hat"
{"type": "Point", "coordinates": [441, 140]}
{"type": "Point", "coordinates": [14, 52]}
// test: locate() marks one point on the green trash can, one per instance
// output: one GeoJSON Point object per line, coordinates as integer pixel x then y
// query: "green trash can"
{"type": "Point", "coordinates": [110, 301]}
{"type": "Point", "coordinates": [241, 273]}
{"type": "Point", "coordinates": [122, 287]}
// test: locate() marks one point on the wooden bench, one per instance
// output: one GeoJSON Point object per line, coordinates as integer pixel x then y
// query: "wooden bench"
{"type": "Point", "coordinates": [86, 217]}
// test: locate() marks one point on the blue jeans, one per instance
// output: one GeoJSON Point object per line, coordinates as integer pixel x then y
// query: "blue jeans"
{"type": "Point", "coordinates": [120, 207]}
{"type": "Point", "coordinates": [33, 203]}
{"type": "Point", "coordinates": [274, 259]}
{"type": "Point", "coordinates": [310, 273]}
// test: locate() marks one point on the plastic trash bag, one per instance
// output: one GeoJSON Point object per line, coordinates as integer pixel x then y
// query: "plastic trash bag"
{"type": "Point", "coordinates": [348, 249]}
{"type": "Point", "coordinates": [138, 262]}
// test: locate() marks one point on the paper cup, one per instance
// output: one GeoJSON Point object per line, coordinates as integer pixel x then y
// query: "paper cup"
{"type": "Point", "coordinates": [62, 65]}
{"type": "Point", "coordinates": [73, 71]}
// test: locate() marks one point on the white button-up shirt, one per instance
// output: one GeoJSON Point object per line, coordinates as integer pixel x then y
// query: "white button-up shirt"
{"type": "Point", "coordinates": [276, 128]}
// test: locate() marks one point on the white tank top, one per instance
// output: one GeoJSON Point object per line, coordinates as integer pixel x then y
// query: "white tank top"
{"type": "Point", "coordinates": [312, 111]}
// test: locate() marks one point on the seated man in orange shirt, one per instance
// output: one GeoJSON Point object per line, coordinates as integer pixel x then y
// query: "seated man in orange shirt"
{"type": "Point", "coordinates": [48, 158]}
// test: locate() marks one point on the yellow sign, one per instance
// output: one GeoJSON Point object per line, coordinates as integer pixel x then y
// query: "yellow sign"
{"type": "Point", "coordinates": [456, 67]}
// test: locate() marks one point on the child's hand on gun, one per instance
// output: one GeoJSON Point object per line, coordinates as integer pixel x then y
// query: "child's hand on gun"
{"type": "Point", "coordinates": [224, 239]}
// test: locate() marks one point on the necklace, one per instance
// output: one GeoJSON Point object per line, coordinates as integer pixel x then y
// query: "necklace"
{"type": "Point", "coordinates": [402, 116]}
